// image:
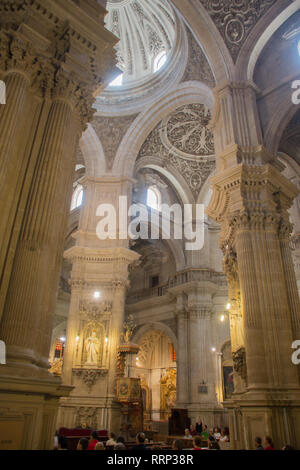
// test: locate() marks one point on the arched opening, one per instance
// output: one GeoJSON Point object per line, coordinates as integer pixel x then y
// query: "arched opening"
{"type": "Point", "coordinates": [155, 364]}
{"type": "Point", "coordinates": [154, 198]}
{"type": "Point", "coordinates": [77, 198]}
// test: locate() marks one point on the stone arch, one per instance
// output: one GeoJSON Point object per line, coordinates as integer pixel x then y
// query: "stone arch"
{"type": "Point", "coordinates": [93, 153]}
{"type": "Point", "coordinates": [205, 31]}
{"type": "Point", "coordinates": [186, 93]}
{"type": "Point", "coordinates": [155, 326]}
{"type": "Point", "coordinates": [279, 122]}
{"type": "Point", "coordinates": [260, 35]}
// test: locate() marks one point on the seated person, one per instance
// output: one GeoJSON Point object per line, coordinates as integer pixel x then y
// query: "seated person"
{"type": "Point", "coordinates": [140, 443]}
{"type": "Point", "coordinates": [112, 440]}
{"type": "Point", "coordinates": [204, 433]}
{"type": "Point", "coordinates": [217, 434]}
{"type": "Point", "coordinates": [258, 443]}
{"type": "Point", "coordinates": [197, 443]}
{"type": "Point", "coordinates": [211, 436]}
{"type": "Point", "coordinates": [83, 444]}
{"type": "Point", "coordinates": [213, 445]}
{"type": "Point", "coordinates": [99, 446]}
{"type": "Point", "coordinates": [62, 443]}
{"type": "Point", "coordinates": [93, 440]}
{"type": "Point", "coordinates": [223, 437]}
{"type": "Point", "coordinates": [120, 445]}
{"type": "Point", "coordinates": [187, 434]}
{"type": "Point", "coordinates": [268, 443]}
{"type": "Point", "coordinates": [193, 431]}
{"type": "Point", "coordinates": [177, 445]}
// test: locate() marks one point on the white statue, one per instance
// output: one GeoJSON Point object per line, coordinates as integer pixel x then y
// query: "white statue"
{"type": "Point", "coordinates": [92, 347]}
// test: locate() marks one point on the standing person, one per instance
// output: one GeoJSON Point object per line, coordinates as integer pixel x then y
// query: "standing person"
{"type": "Point", "coordinates": [193, 431]}
{"type": "Point", "coordinates": [258, 443]}
{"type": "Point", "coordinates": [268, 443]}
{"type": "Point", "coordinates": [199, 427]}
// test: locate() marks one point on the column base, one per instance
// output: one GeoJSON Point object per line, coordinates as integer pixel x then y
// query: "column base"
{"type": "Point", "coordinates": [28, 411]}
{"type": "Point", "coordinates": [93, 412]}
{"type": "Point", "coordinates": [265, 412]}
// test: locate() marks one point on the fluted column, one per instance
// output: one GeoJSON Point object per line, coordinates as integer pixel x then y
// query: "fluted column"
{"type": "Point", "coordinates": [183, 374]}
{"type": "Point", "coordinates": [11, 116]}
{"type": "Point", "coordinates": [290, 279]}
{"type": "Point", "coordinates": [38, 241]}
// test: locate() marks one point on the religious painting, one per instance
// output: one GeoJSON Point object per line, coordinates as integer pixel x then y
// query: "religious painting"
{"type": "Point", "coordinates": [228, 381]}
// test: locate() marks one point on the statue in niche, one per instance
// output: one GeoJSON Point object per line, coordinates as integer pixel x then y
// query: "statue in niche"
{"type": "Point", "coordinates": [92, 347]}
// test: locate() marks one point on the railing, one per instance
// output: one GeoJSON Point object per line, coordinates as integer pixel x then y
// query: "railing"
{"type": "Point", "coordinates": [181, 278]}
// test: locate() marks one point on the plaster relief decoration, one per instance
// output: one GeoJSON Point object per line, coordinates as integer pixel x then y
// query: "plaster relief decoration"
{"type": "Point", "coordinates": [111, 132]}
{"type": "Point", "coordinates": [147, 345]}
{"type": "Point", "coordinates": [86, 417]}
{"type": "Point", "coordinates": [198, 67]}
{"type": "Point", "coordinates": [186, 131]}
{"type": "Point", "coordinates": [183, 142]}
{"type": "Point", "coordinates": [235, 19]}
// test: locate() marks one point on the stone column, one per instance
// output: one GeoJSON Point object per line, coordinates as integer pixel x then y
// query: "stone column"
{"type": "Point", "coordinates": [99, 282]}
{"type": "Point", "coordinates": [250, 201]}
{"type": "Point", "coordinates": [52, 75]}
{"type": "Point", "coordinates": [38, 241]}
{"type": "Point", "coordinates": [183, 378]}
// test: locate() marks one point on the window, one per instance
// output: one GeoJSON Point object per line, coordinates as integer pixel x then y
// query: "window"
{"type": "Point", "coordinates": [159, 61]}
{"type": "Point", "coordinates": [77, 197]}
{"type": "Point", "coordinates": [118, 81]}
{"type": "Point", "coordinates": [154, 198]}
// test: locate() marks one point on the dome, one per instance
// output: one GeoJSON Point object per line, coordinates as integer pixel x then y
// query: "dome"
{"type": "Point", "coordinates": [147, 33]}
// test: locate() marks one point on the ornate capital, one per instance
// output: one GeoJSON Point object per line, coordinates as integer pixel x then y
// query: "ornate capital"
{"type": "Point", "coordinates": [90, 376]}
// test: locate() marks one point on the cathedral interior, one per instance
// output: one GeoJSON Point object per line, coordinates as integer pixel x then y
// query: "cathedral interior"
{"type": "Point", "coordinates": [165, 102]}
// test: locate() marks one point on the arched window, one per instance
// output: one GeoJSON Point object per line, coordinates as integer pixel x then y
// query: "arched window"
{"type": "Point", "coordinates": [159, 61]}
{"type": "Point", "coordinates": [77, 197]}
{"type": "Point", "coordinates": [154, 198]}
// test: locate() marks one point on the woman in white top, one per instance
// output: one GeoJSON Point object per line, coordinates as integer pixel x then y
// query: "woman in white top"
{"type": "Point", "coordinates": [217, 434]}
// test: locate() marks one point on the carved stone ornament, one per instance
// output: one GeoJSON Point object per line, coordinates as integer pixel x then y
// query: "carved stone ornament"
{"type": "Point", "coordinates": [239, 362]}
{"type": "Point", "coordinates": [90, 376]}
{"type": "Point", "coordinates": [91, 311]}
{"type": "Point", "coordinates": [86, 417]}
{"type": "Point", "coordinates": [235, 19]}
